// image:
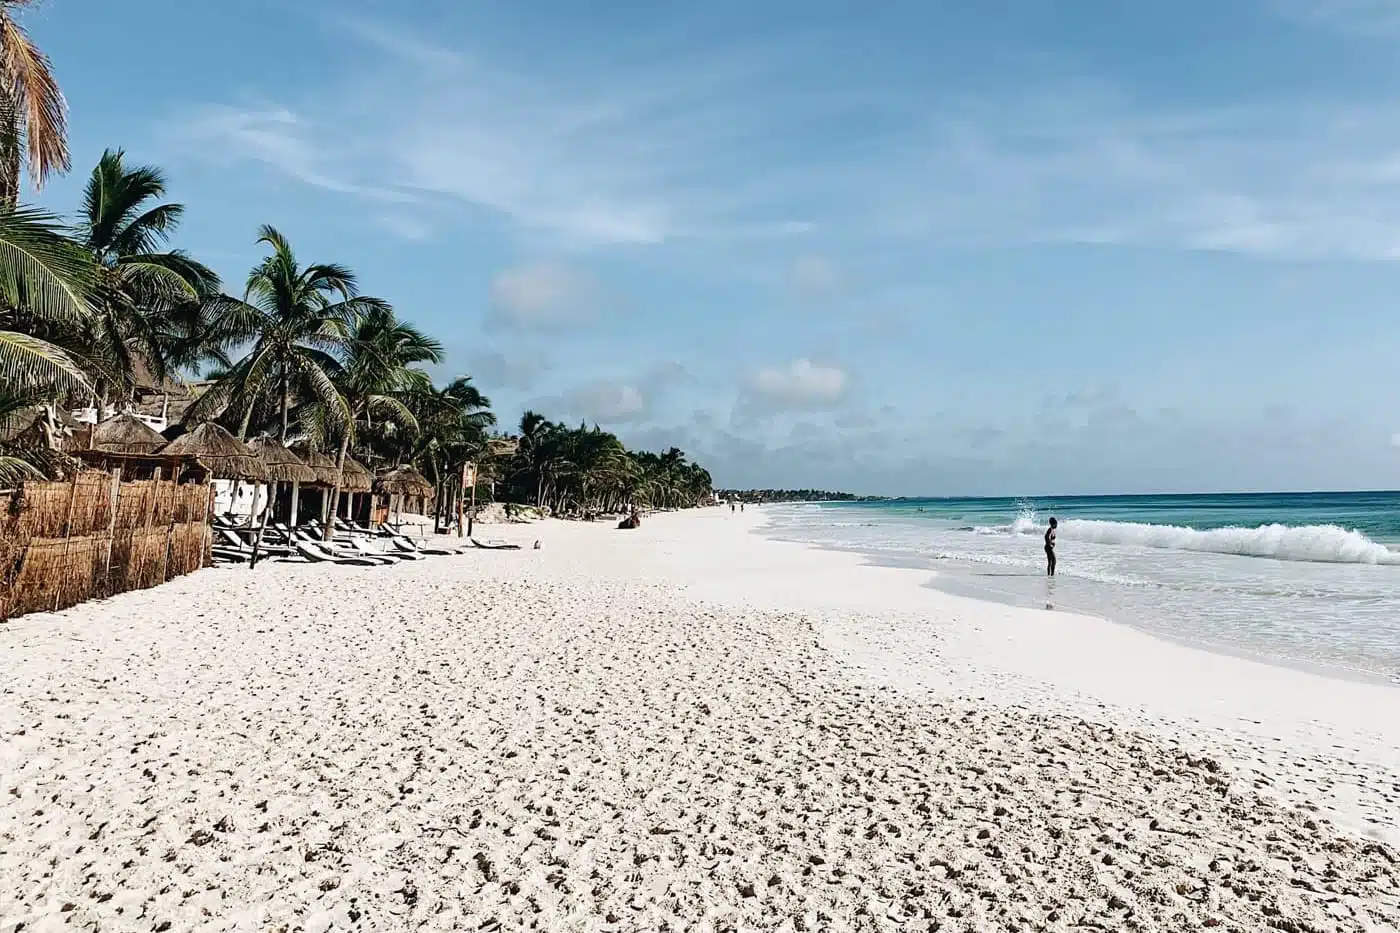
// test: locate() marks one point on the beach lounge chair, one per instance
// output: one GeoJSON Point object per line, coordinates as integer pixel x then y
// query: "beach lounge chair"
{"type": "Point", "coordinates": [229, 540]}
{"type": "Point", "coordinates": [317, 554]}
{"type": "Point", "coordinates": [408, 546]}
{"type": "Point", "coordinates": [494, 545]}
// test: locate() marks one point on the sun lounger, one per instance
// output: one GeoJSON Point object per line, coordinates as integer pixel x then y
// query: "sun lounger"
{"type": "Point", "coordinates": [494, 545]}
{"type": "Point", "coordinates": [318, 554]}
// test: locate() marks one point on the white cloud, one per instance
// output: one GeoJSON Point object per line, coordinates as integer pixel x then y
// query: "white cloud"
{"type": "Point", "coordinates": [801, 384]}
{"type": "Point", "coordinates": [541, 296]}
{"type": "Point", "coordinates": [276, 137]}
{"type": "Point", "coordinates": [686, 150]}
{"type": "Point", "coordinates": [517, 368]}
{"type": "Point", "coordinates": [608, 402]}
{"type": "Point", "coordinates": [814, 277]}
{"type": "Point", "coordinates": [1360, 16]}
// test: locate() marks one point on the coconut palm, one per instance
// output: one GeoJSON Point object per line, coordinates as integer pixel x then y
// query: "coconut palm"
{"type": "Point", "coordinates": [46, 282]}
{"type": "Point", "coordinates": [296, 321]}
{"type": "Point", "coordinates": [20, 461]}
{"type": "Point", "coordinates": [148, 301]}
{"type": "Point", "coordinates": [452, 426]}
{"type": "Point", "coordinates": [375, 375]}
{"type": "Point", "coordinates": [33, 118]}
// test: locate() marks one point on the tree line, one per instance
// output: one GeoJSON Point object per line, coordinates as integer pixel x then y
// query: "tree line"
{"type": "Point", "coordinates": [93, 305]}
{"type": "Point", "coordinates": [791, 495]}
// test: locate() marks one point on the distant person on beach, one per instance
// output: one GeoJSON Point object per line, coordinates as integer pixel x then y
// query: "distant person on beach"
{"type": "Point", "coordinates": [741, 506]}
{"type": "Point", "coordinates": [1050, 548]}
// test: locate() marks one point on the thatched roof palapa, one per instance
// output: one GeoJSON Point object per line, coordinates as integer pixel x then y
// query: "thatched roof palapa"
{"type": "Point", "coordinates": [225, 455]}
{"type": "Point", "coordinates": [126, 434]}
{"type": "Point", "coordinates": [404, 481]}
{"type": "Point", "coordinates": [357, 477]}
{"type": "Point", "coordinates": [283, 466]}
{"type": "Point", "coordinates": [322, 465]}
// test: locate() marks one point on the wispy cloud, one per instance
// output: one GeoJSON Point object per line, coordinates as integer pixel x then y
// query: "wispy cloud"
{"type": "Point", "coordinates": [1377, 17]}
{"type": "Point", "coordinates": [704, 151]}
{"type": "Point", "coordinates": [542, 296]}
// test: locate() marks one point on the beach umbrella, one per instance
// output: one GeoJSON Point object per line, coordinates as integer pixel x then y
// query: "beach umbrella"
{"type": "Point", "coordinates": [403, 481]}
{"type": "Point", "coordinates": [126, 434]}
{"type": "Point", "coordinates": [358, 478]}
{"type": "Point", "coordinates": [322, 465]}
{"type": "Point", "coordinates": [225, 455]}
{"type": "Point", "coordinates": [283, 466]}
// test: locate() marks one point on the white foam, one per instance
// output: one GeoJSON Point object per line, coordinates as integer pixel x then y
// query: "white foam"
{"type": "Point", "coordinates": [1330, 544]}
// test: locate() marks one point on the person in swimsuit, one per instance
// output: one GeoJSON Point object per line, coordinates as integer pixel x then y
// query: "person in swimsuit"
{"type": "Point", "coordinates": [1050, 548]}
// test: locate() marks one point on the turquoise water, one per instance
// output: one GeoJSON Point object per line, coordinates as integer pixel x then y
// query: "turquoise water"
{"type": "Point", "coordinates": [1304, 579]}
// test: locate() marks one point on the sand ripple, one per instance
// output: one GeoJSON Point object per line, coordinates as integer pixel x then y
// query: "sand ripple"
{"type": "Point", "coordinates": [498, 742]}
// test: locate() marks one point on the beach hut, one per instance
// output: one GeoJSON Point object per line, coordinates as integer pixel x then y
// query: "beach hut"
{"type": "Point", "coordinates": [405, 485]}
{"type": "Point", "coordinates": [228, 458]}
{"type": "Point", "coordinates": [283, 466]}
{"type": "Point", "coordinates": [358, 480]}
{"type": "Point", "coordinates": [126, 434]}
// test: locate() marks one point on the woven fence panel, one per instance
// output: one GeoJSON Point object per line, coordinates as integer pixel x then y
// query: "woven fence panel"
{"type": "Point", "coordinates": [62, 543]}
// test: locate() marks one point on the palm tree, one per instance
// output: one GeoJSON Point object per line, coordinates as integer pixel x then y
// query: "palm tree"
{"type": "Point", "coordinates": [149, 302]}
{"type": "Point", "coordinates": [33, 120]}
{"type": "Point", "coordinates": [452, 426]}
{"type": "Point", "coordinates": [46, 281]}
{"type": "Point", "coordinates": [375, 374]}
{"type": "Point", "coordinates": [297, 320]}
{"type": "Point", "coordinates": [532, 455]}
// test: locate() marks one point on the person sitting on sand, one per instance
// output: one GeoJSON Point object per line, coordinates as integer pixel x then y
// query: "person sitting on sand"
{"type": "Point", "coordinates": [1050, 548]}
{"type": "Point", "coordinates": [632, 521]}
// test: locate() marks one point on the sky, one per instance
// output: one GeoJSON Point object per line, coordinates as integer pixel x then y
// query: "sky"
{"type": "Point", "coordinates": [940, 248]}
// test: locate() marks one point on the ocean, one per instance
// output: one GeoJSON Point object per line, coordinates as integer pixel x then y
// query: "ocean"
{"type": "Point", "coordinates": [1309, 580]}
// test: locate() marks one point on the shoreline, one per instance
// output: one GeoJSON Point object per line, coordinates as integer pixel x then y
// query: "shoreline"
{"type": "Point", "coordinates": [1252, 712]}
{"type": "Point", "coordinates": [688, 725]}
{"type": "Point", "coordinates": [922, 565]}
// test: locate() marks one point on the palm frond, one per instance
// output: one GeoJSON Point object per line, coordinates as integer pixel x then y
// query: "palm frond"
{"type": "Point", "coordinates": [39, 105]}
{"type": "Point", "coordinates": [28, 362]}
{"type": "Point", "coordinates": [42, 272]}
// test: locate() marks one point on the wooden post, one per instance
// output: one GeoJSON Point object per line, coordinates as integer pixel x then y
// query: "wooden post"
{"type": "Point", "coordinates": [296, 496]}
{"type": "Point", "coordinates": [169, 527]}
{"type": "Point", "coordinates": [471, 514]}
{"type": "Point", "coordinates": [67, 539]}
{"type": "Point", "coordinates": [460, 522]}
{"type": "Point", "coordinates": [257, 542]}
{"type": "Point", "coordinates": [115, 499]}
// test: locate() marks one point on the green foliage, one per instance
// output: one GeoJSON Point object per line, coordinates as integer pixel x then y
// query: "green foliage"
{"type": "Point", "coordinates": [92, 309]}
{"type": "Point", "coordinates": [583, 469]}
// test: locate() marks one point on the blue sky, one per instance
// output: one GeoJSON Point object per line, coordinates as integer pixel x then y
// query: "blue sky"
{"type": "Point", "coordinates": [997, 248]}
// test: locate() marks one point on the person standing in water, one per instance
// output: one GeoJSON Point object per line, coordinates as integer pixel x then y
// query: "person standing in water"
{"type": "Point", "coordinates": [1050, 548]}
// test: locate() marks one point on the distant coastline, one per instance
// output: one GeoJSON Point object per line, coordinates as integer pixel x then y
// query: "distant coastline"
{"type": "Point", "coordinates": [793, 495]}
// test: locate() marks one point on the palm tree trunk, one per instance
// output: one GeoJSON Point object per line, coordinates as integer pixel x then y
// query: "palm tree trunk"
{"type": "Point", "coordinates": [328, 531]}
{"type": "Point", "coordinates": [243, 427]}
{"type": "Point", "coordinates": [286, 403]}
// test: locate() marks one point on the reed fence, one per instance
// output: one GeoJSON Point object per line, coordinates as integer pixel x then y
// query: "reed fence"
{"type": "Point", "coordinates": [99, 534]}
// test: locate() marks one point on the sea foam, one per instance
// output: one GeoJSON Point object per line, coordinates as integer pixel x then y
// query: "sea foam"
{"type": "Point", "coordinates": [1329, 544]}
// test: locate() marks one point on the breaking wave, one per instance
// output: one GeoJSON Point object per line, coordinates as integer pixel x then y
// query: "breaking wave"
{"type": "Point", "coordinates": [1327, 544]}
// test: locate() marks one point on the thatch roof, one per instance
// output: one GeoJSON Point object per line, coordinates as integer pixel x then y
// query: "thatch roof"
{"type": "Point", "coordinates": [320, 464]}
{"type": "Point", "coordinates": [358, 478]}
{"type": "Point", "coordinates": [283, 466]}
{"type": "Point", "coordinates": [144, 466]}
{"type": "Point", "coordinates": [404, 481]}
{"type": "Point", "coordinates": [220, 451]}
{"type": "Point", "coordinates": [502, 446]}
{"type": "Point", "coordinates": [126, 434]}
{"type": "Point", "coordinates": [26, 427]}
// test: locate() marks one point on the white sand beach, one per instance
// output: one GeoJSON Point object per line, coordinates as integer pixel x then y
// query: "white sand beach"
{"type": "Point", "coordinates": [687, 726]}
